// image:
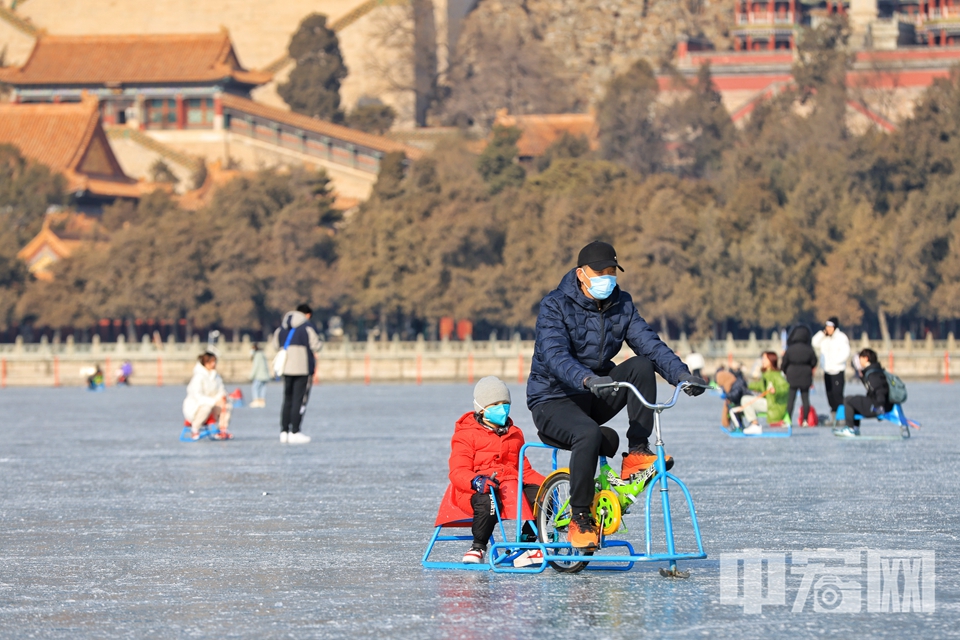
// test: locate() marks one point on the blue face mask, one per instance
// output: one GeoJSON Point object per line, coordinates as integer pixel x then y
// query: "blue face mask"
{"type": "Point", "coordinates": [602, 286]}
{"type": "Point", "coordinates": [497, 414]}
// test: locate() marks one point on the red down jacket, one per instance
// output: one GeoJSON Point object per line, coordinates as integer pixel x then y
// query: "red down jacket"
{"type": "Point", "coordinates": [476, 450]}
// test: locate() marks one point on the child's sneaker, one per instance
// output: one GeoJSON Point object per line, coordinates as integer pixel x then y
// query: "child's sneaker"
{"type": "Point", "coordinates": [847, 432]}
{"type": "Point", "coordinates": [474, 555]}
{"type": "Point", "coordinates": [753, 430]}
{"type": "Point", "coordinates": [284, 436]}
{"type": "Point", "coordinates": [194, 435]}
{"type": "Point", "coordinates": [529, 557]}
{"type": "Point", "coordinates": [298, 438]}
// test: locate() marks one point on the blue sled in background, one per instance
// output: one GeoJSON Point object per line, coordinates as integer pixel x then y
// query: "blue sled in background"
{"type": "Point", "coordinates": [895, 416]}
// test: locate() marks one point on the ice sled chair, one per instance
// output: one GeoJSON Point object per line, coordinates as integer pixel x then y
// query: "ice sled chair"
{"type": "Point", "coordinates": [895, 416]}
{"type": "Point", "coordinates": [451, 516]}
{"type": "Point", "coordinates": [208, 430]}
{"type": "Point", "coordinates": [737, 423]}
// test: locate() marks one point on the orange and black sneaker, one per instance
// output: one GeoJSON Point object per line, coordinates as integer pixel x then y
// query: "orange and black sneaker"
{"type": "Point", "coordinates": [640, 459]}
{"type": "Point", "coordinates": [583, 532]}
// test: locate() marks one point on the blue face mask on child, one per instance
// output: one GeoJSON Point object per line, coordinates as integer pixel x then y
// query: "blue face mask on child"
{"type": "Point", "coordinates": [497, 414]}
{"type": "Point", "coordinates": [602, 286]}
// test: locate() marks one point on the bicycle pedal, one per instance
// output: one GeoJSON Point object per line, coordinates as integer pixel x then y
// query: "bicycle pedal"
{"type": "Point", "coordinates": [643, 476]}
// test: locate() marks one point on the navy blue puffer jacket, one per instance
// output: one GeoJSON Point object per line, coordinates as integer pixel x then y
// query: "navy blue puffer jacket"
{"type": "Point", "coordinates": [577, 339]}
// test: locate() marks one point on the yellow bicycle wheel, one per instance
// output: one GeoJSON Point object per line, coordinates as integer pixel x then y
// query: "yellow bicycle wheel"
{"type": "Point", "coordinates": [606, 509]}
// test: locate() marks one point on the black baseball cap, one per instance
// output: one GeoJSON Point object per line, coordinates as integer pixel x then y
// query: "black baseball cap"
{"type": "Point", "coordinates": [598, 255]}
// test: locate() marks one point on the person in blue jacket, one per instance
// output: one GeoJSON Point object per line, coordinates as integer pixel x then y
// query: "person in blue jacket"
{"type": "Point", "coordinates": [581, 326]}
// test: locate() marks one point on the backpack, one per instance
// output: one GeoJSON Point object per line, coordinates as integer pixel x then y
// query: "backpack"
{"type": "Point", "coordinates": [898, 390]}
{"type": "Point", "coordinates": [280, 360]}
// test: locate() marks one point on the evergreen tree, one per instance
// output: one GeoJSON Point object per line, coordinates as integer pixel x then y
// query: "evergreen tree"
{"type": "Point", "coordinates": [626, 118]}
{"type": "Point", "coordinates": [497, 164]}
{"type": "Point", "coordinates": [313, 88]}
{"type": "Point", "coordinates": [702, 127]}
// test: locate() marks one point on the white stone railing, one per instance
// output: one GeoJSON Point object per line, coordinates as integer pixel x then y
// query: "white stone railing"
{"type": "Point", "coordinates": [158, 363]}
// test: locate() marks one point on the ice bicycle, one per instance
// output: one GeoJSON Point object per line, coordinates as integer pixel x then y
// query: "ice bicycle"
{"type": "Point", "coordinates": [552, 515]}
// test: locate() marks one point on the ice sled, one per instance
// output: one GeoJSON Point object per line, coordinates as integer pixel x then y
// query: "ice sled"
{"type": "Point", "coordinates": [895, 416]}
{"type": "Point", "coordinates": [735, 430]}
{"type": "Point", "coordinates": [208, 430]}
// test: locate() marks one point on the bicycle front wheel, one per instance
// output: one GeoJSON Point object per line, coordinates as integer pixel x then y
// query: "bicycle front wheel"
{"type": "Point", "coordinates": [553, 519]}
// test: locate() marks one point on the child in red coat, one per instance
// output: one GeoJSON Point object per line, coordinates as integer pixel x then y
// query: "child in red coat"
{"type": "Point", "coordinates": [484, 460]}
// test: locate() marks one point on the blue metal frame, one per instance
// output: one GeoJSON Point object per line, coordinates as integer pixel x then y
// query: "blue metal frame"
{"type": "Point", "coordinates": [734, 433]}
{"type": "Point", "coordinates": [205, 432]}
{"type": "Point", "coordinates": [514, 549]}
{"type": "Point", "coordinates": [502, 553]}
{"type": "Point", "coordinates": [895, 416]}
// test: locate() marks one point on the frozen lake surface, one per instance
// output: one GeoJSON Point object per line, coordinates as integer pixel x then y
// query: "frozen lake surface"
{"type": "Point", "coordinates": [111, 527]}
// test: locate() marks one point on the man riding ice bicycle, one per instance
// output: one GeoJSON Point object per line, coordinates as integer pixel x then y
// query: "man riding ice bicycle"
{"type": "Point", "coordinates": [581, 326]}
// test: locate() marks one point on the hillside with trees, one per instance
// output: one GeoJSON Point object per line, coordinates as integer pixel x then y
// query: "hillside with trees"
{"type": "Point", "coordinates": [793, 218]}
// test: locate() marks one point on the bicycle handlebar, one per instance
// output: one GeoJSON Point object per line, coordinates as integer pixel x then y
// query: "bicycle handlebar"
{"type": "Point", "coordinates": [656, 407]}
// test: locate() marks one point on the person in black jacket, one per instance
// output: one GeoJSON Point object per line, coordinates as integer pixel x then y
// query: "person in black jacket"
{"type": "Point", "coordinates": [877, 400]}
{"type": "Point", "coordinates": [799, 361]}
{"type": "Point", "coordinates": [581, 326]}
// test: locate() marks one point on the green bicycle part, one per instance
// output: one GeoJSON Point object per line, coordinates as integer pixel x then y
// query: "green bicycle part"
{"type": "Point", "coordinates": [606, 509]}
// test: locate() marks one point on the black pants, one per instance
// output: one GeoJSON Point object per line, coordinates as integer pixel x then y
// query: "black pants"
{"type": "Point", "coordinates": [575, 423]}
{"type": "Point", "coordinates": [834, 384]}
{"type": "Point", "coordinates": [296, 393]}
{"type": "Point", "coordinates": [804, 400]}
{"type": "Point", "coordinates": [484, 516]}
{"type": "Point", "coordinates": [852, 405]}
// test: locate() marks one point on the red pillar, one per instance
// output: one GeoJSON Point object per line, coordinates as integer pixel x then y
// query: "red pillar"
{"type": "Point", "coordinates": [772, 43]}
{"type": "Point", "coordinates": [749, 43]}
{"type": "Point", "coordinates": [793, 10]}
{"type": "Point", "coordinates": [181, 116]}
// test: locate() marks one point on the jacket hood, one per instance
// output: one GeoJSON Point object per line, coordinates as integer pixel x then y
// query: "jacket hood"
{"type": "Point", "coordinates": [469, 421]}
{"type": "Point", "coordinates": [199, 368]}
{"type": "Point", "coordinates": [293, 319]}
{"type": "Point", "coordinates": [800, 334]}
{"type": "Point", "coordinates": [570, 287]}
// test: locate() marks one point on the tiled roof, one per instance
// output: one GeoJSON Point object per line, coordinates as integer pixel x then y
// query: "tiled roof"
{"type": "Point", "coordinates": [129, 59]}
{"type": "Point", "coordinates": [541, 131]}
{"type": "Point", "coordinates": [59, 136]}
{"type": "Point", "coordinates": [52, 134]}
{"type": "Point", "coordinates": [322, 127]}
{"type": "Point", "coordinates": [62, 234]}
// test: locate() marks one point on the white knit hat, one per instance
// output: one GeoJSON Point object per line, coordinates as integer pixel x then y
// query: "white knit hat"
{"type": "Point", "coordinates": [490, 390]}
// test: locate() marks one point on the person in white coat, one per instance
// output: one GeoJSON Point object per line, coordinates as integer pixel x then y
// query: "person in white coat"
{"type": "Point", "coordinates": [834, 348]}
{"type": "Point", "coordinates": [206, 396]}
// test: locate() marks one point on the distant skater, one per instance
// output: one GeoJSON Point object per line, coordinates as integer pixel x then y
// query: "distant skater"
{"type": "Point", "coordinates": [207, 396]}
{"type": "Point", "coordinates": [834, 346]}
{"type": "Point", "coordinates": [799, 361]}
{"type": "Point", "coordinates": [95, 380]}
{"type": "Point", "coordinates": [259, 376]}
{"type": "Point", "coordinates": [299, 338]}
{"type": "Point", "coordinates": [876, 402]}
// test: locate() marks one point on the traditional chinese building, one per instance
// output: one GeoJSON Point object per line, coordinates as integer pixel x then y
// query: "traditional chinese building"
{"type": "Point", "coordinates": [539, 131]}
{"type": "Point", "coordinates": [68, 138]}
{"type": "Point", "coordinates": [63, 232]}
{"type": "Point", "coordinates": [149, 81]}
{"type": "Point", "coordinates": [180, 98]}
